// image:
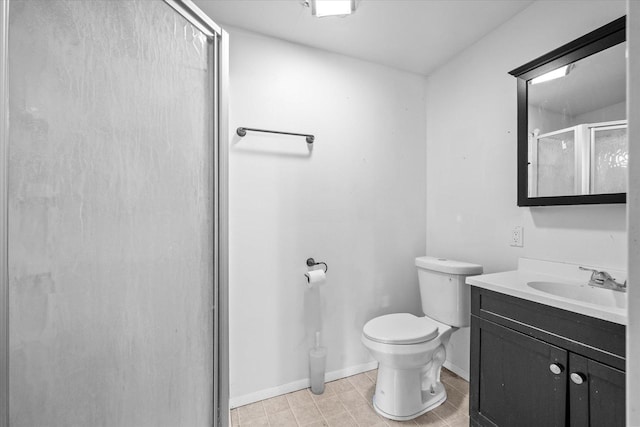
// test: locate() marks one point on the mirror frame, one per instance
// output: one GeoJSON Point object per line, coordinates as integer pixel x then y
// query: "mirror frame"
{"type": "Point", "coordinates": [603, 38]}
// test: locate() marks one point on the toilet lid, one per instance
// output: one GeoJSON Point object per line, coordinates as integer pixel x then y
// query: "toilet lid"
{"type": "Point", "coordinates": [400, 328]}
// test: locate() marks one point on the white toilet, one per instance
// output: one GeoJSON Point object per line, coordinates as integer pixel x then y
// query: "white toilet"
{"type": "Point", "coordinates": [410, 350]}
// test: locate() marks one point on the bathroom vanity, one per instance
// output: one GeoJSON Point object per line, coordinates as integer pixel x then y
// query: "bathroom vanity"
{"type": "Point", "coordinates": [541, 357]}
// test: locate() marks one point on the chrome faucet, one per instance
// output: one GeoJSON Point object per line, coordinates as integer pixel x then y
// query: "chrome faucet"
{"type": "Point", "coordinates": [602, 279]}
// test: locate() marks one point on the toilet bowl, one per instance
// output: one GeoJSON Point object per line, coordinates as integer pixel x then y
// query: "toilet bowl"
{"type": "Point", "coordinates": [410, 350]}
{"type": "Point", "coordinates": [408, 383]}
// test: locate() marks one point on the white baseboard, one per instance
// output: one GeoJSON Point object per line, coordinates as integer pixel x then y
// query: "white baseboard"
{"type": "Point", "coordinates": [457, 370]}
{"type": "Point", "coordinates": [352, 370]}
{"type": "Point", "coordinates": [237, 401]}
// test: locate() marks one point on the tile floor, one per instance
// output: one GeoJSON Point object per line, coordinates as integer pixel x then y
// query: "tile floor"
{"type": "Point", "coordinates": [347, 402]}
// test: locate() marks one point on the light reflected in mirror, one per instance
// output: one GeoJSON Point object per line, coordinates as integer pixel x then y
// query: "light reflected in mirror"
{"type": "Point", "coordinates": [577, 127]}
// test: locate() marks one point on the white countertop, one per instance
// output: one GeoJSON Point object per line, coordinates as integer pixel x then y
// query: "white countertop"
{"type": "Point", "coordinates": [514, 283]}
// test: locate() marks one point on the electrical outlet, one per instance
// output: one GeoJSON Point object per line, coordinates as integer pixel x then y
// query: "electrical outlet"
{"type": "Point", "coordinates": [517, 236]}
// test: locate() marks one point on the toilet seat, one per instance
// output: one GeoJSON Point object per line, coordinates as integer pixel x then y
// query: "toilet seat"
{"type": "Point", "coordinates": [400, 328]}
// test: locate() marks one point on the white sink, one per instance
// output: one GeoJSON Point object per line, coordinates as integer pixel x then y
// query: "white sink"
{"type": "Point", "coordinates": [560, 285]}
{"type": "Point", "coordinates": [584, 293]}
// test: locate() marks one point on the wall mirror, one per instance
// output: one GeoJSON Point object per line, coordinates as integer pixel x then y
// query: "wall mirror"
{"type": "Point", "coordinates": [572, 122]}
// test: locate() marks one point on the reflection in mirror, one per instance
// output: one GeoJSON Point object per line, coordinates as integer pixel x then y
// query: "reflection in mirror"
{"type": "Point", "coordinates": [577, 128]}
{"type": "Point", "coordinates": [572, 124]}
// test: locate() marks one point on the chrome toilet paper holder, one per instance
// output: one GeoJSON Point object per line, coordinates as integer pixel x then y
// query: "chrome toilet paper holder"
{"type": "Point", "coordinates": [312, 262]}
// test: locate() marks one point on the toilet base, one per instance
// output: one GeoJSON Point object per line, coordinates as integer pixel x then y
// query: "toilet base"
{"type": "Point", "coordinates": [432, 402]}
{"type": "Point", "coordinates": [408, 386]}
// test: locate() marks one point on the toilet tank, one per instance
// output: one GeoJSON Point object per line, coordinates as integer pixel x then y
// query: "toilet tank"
{"type": "Point", "coordinates": [445, 295]}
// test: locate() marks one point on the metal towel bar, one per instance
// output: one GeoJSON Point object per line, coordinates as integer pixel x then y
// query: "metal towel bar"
{"type": "Point", "coordinates": [242, 131]}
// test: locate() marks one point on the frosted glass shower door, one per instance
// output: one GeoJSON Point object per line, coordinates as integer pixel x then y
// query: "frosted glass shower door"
{"type": "Point", "coordinates": [110, 215]}
{"type": "Point", "coordinates": [609, 159]}
{"type": "Point", "coordinates": [555, 164]}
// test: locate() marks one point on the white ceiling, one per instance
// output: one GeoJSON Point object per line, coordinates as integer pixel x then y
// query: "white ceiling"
{"type": "Point", "coordinates": [412, 35]}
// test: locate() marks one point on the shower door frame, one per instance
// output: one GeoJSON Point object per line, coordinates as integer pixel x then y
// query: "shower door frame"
{"type": "Point", "coordinates": [4, 217]}
{"type": "Point", "coordinates": [219, 51]}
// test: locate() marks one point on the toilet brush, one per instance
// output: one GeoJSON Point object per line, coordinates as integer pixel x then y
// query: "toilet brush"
{"type": "Point", "coordinates": [317, 361]}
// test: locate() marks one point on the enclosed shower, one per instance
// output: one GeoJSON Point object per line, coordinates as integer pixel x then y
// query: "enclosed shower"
{"type": "Point", "coordinates": [113, 245]}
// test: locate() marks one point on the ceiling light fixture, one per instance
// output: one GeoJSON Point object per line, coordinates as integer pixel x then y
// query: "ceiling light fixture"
{"type": "Point", "coordinates": [553, 74]}
{"type": "Point", "coordinates": [322, 8]}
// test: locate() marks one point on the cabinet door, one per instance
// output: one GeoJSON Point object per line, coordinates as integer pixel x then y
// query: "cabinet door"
{"type": "Point", "coordinates": [596, 393]}
{"type": "Point", "coordinates": [514, 383]}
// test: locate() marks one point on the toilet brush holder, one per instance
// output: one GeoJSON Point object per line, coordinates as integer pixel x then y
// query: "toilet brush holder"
{"type": "Point", "coordinates": [317, 364]}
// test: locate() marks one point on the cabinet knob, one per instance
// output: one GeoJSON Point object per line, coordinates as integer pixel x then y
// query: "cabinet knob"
{"type": "Point", "coordinates": [556, 368]}
{"type": "Point", "coordinates": [577, 377]}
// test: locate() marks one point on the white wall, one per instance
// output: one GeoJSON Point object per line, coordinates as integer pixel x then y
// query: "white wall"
{"type": "Point", "coordinates": [547, 121]}
{"type": "Point", "coordinates": [633, 330]}
{"type": "Point", "coordinates": [357, 202]}
{"type": "Point", "coordinates": [612, 112]}
{"type": "Point", "coordinates": [471, 156]}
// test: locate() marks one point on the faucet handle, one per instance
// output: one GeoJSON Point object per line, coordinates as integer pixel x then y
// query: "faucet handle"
{"type": "Point", "coordinates": [597, 276]}
{"type": "Point", "coordinates": [602, 277]}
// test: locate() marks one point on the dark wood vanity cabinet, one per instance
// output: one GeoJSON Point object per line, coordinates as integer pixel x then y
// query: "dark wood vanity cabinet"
{"type": "Point", "coordinates": [535, 365]}
{"type": "Point", "coordinates": [600, 400]}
